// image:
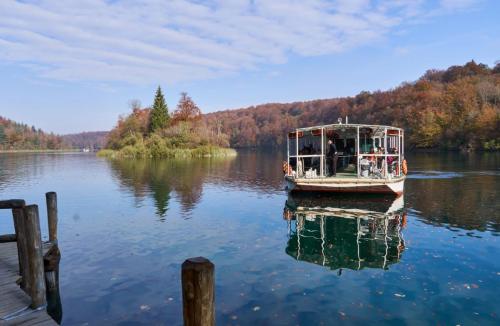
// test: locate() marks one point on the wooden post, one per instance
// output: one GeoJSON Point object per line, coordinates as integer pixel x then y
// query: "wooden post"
{"type": "Point", "coordinates": [51, 265]}
{"type": "Point", "coordinates": [19, 224]}
{"type": "Point", "coordinates": [35, 256]}
{"type": "Point", "coordinates": [198, 292]}
{"type": "Point", "coordinates": [51, 199]}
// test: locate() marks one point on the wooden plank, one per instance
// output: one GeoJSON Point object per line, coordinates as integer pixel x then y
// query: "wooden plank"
{"type": "Point", "coordinates": [12, 203]}
{"type": "Point", "coordinates": [33, 318]}
{"type": "Point", "coordinates": [12, 297]}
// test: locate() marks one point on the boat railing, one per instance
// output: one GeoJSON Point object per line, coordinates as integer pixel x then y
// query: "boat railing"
{"type": "Point", "coordinates": [300, 156]}
{"type": "Point", "coordinates": [386, 169]}
{"type": "Point", "coordinates": [307, 151]}
{"type": "Point", "coordinates": [301, 169]}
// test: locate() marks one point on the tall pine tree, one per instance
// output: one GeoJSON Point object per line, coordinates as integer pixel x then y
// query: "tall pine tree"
{"type": "Point", "coordinates": [3, 137]}
{"type": "Point", "coordinates": [159, 113]}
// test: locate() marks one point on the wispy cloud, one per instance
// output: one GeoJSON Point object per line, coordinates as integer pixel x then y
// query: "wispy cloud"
{"type": "Point", "coordinates": [178, 40]}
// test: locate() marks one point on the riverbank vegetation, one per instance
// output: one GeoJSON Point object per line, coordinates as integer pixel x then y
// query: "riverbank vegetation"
{"type": "Point", "coordinates": [154, 132]}
{"type": "Point", "coordinates": [16, 136]}
{"type": "Point", "coordinates": [456, 108]}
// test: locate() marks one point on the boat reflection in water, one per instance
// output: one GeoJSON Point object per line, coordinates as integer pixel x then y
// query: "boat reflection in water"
{"type": "Point", "coordinates": [353, 232]}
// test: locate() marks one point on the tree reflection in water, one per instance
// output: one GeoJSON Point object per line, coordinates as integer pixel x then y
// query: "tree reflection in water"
{"type": "Point", "coordinates": [345, 231]}
{"type": "Point", "coordinates": [162, 179]}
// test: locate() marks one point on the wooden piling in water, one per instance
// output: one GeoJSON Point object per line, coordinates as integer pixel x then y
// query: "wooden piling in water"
{"type": "Point", "coordinates": [51, 199]}
{"type": "Point", "coordinates": [51, 265]}
{"type": "Point", "coordinates": [35, 271]}
{"type": "Point", "coordinates": [198, 292]}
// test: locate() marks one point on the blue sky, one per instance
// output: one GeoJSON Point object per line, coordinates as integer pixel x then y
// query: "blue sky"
{"type": "Point", "coordinates": [73, 66]}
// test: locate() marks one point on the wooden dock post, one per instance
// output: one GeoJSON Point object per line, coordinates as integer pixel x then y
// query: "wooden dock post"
{"type": "Point", "coordinates": [198, 292]}
{"type": "Point", "coordinates": [51, 261]}
{"type": "Point", "coordinates": [22, 247]}
{"type": "Point", "coordinates": [30, 260]}
{"type": "Point", "coordinates": [34, 251]}
{"type": "Point", "coordinates": [51, 264]}
{"type": "Point", "coordinates": [51, 199]}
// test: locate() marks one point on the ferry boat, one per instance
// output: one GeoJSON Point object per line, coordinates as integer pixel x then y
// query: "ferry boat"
{"type": "Point", "coordinates": [369, 159]}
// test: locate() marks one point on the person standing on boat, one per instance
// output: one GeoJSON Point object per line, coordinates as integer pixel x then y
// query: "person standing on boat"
{"type": "Point", "coordinates": [332, 157]}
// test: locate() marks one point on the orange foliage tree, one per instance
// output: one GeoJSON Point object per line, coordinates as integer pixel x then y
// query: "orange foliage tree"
{"type": "Point", "coordinates": [186, 110]}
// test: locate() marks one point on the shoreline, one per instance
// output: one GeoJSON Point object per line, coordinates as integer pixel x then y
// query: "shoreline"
{"type": "Point", "coordinates": [13, 151]}
{"type": "Point", "coordinates": [130, 152]}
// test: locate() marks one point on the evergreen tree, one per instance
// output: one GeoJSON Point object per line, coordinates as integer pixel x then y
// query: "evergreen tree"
{"type": "Point", "coordinates": [159, 113]}
{"type": "Point", "coordinates": [3, 137]}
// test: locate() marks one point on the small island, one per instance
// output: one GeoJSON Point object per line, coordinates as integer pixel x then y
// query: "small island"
{"type": "Point", "coordinates": [154, 133]}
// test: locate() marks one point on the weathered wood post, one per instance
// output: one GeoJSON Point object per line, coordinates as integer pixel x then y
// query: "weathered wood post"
{"type": "Point", "coordinates": [22, 247]}
{"type": "Point", "coordinates": [198, 292]}
{"type": "Point", "coordinates": [35, 256]}
{"type": "Point", "coordinates": [51, 199]}
{"type": "Point", "coordinates": [51, 264]}
{"type": "Point", "coordinates": [51, 261]}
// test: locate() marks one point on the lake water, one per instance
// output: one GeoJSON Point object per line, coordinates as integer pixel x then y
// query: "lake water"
{"type": "Point", "coordinates": [125, 227]}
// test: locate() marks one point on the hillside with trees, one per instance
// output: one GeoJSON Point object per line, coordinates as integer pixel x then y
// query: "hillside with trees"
{"type": "Point", "coordinates": [154, 132]}
{"type": "Point", "coordinates": [92, 140]}
{"type": "Point", "coordinates": [20, 136]}
{"type": "Point", "coordinates": [457, 108]}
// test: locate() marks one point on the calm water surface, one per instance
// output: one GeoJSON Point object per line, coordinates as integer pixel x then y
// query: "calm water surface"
{"type": "Point", "coordinates": [126, 227]}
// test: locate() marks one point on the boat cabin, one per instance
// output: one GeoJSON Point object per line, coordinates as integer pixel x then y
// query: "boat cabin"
{"type": "Point", "coordinates": [363, 151]}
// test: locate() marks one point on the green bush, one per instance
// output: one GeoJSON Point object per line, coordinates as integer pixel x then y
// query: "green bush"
{"type": "Point", "coordinates": [109, 153]}
{"type": "Point", "coordinates": [158, 150]}
{"type": "Point", "coordinates": [132, 140]}
{"type": "Point", "coordinates": [492, 145]}
{"type": "Point", "coordinates": [156, 146]}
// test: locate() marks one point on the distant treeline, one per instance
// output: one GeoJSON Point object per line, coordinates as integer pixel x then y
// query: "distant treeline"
{"type": "Point", "coordinates": [19, 136]}
{"type": "Point", "coordinates": [92, 140]}
{"type": "Point", "coordinates": [457, 108]}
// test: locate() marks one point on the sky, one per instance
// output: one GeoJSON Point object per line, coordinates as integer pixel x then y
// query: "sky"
{"type": "Point", "coordinates": [72, 66]}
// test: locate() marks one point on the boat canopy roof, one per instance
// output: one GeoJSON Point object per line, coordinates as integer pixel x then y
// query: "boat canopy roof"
{"type": "Point", "coordinates": [347, 125]}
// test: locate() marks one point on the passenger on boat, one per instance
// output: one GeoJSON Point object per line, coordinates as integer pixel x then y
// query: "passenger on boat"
{"type": "Point", "coordinates": [332, 157]}
{"type": "Point", "coordinates": [380, 159]}
{"type": "Point", "coordinates": [372, 159]}
{"type": "Point", "coordinates": [392, 161]}
{"type": "Point", "coordinates": [315, 161]}
{"type": "Point", "coordinates": [307, 150]}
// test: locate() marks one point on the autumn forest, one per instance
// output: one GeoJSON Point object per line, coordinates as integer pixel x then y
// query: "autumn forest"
{"type": "Point", "coordinates": [19, 136]}
{"type": "Point", "coordinates": [456, 108]}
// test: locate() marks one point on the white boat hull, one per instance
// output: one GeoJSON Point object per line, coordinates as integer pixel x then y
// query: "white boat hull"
{"type": "Point", "coordinates": [351, 185]}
